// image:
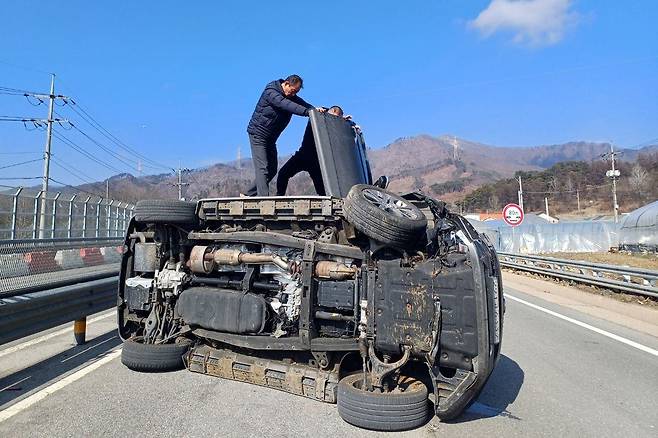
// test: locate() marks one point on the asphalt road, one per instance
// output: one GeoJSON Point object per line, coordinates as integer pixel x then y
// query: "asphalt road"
{"type": "Point", "coordinates": [555, 378]}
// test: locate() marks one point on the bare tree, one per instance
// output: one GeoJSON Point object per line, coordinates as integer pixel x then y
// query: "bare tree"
{"type": "Point", "coordinates": [494, 201]}
{"type": "Point", "coordinates": [569, 188]}
{"type": "Point", "coordinates": [553, 185]}
{"type": "Point", "coordinates": [639, 179]}
{"type": "Point", "coordinates": [569, 185]}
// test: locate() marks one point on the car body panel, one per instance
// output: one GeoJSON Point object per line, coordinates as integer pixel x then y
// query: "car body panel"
{"type": "Point", "coordinates": [341, 151]}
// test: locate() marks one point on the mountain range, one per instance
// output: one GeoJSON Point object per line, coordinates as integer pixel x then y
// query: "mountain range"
{"type": "Point", "coordinates": [445, 166]}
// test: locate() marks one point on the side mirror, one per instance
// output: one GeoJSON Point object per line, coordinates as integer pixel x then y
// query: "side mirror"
{"type": "Point", "coordinates": [382, 182]}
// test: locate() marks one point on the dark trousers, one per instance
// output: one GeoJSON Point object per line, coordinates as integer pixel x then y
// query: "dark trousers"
{"type": "Point", "coordinates": [264, 156]}
{"type": "Point", "coordinates": [300, 162]}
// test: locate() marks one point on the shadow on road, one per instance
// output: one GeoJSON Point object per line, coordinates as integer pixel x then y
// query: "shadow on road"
{"type": "Point", "coordinates": [18, 384]}
{"type": "Point", "coordinates": [500, 391]}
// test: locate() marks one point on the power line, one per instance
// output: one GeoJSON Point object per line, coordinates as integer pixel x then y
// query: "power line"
{"type": "Point", "coordinates": [20, 153]}
{"type": "Point", "coordinates": [94, 123]}
{"type": "Point", "coordinates": [75, 188]}
{"type": "Point", "coordinates": [21, 163]}
{"type": "Point", "coordinates": [34, 120]}
{"type": "Point", "coordinates": [20, 178]}
{"type": "Point", "coordinates": [18, 91]}
{"type": "Point", "coordinates": [73, 172]}
{"type": "Point", "coordinates": [8, 187]}
{"type": "Point", "coordinates": [74, 146]}
{"type": "Point", "coordinates": [133, 165]}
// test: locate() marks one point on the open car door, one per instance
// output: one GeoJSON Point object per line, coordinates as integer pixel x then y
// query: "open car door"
{"type": "Point", "coordinates": [342, 153]}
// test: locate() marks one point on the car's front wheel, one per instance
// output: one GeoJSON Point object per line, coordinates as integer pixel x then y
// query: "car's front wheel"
{"type": "Point", "coordinates": [139, 356]}
{"type": "Point", "coordinates": [403, 408]}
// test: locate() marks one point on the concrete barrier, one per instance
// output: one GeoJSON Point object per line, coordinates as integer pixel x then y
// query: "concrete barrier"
{"type": "Point", "coordinates": [69, 259]}
{"type": "Point", "coordinates": [13, 265]}
{"type": "Point", "coordinates": [91, 256]}
{"type": "Point", "coordinates": [111, 254]}
{"type": "Point", "coordinates": [41, 261]}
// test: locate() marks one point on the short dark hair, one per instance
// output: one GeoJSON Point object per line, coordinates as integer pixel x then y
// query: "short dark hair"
{"type": "Point", "coordinates": [294, 80]}
{"type": "Point", "coordinates": [336, 107]}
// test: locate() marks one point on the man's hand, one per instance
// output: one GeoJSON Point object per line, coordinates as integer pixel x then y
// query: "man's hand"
{"type": "Point", "coordinates": [348, 117]}
{"type": "Point", "coordinates": [321, 109]}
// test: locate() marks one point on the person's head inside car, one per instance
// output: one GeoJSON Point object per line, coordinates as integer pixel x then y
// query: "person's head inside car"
{"type": "Point", "coordinates": [291, 85]}
{"type": "Point", "coordinates": [335, 111]}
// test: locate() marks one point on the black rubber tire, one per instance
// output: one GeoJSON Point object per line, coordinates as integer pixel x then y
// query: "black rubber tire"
{"type": "Point", "coordinates": [381, 225]}
{"type": "Point", "coordinates": [153, 357]}
{"type": "Point", "coordinates": [393, 411]}
{"type": "Point", "coordinates": [159, 211]}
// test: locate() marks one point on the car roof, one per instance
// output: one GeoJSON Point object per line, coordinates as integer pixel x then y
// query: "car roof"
{"type": "Point", "coordinates": [341, 152]}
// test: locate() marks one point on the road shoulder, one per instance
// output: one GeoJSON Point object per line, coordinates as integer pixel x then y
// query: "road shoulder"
{"type": "Point", "coordinates": [630, 315]}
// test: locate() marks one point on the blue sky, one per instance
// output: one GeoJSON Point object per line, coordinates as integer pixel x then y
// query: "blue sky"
{"type": "Point", "coordinates": [178, 81]}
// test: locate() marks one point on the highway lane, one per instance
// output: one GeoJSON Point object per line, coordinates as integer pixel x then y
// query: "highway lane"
{"type": "Point", "coordinates": [555, 378]}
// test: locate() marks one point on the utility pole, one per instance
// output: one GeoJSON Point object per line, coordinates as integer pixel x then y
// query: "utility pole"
{"type": "Point", "coordinates": [546, 202]}
{"type": "Point", "coordinates": [179, 182]}
{"type": "Point", "coordinates": [578, 199]}
{"type": "Point", "coordinates": [455, 148]}
{"type": "Point", "coordinates": [107, 188]}
{"type": "Point", "coordinates": [614, 174]}
{"type": "Point", "coordinates": [521, 195]}
{"type": "Point", "coordinates": [46, 159]}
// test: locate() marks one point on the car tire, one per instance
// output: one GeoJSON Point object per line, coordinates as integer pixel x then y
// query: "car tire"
{"type": "Point", "coordinates": [384, 216]}
{"type": "Point", "coordinates": [404, 408]}
{"type": "Point", "coordinates": [160, 211]}
{"type": "Point", "coordinates": [153, 357]}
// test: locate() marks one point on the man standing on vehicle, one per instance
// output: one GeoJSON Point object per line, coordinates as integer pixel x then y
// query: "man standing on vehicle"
{"type": "Point", "coordinates": [277, 104]}
{"type": "Point", "coordinates": [305, 160]}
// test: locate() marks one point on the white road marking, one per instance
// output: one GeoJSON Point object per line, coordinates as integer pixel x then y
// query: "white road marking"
{"type": "Point", "coordinates": [45, 392]}
{"type": "Point", "coordinates": [34, 341]}
{"type": "Point", "coordinates": [87, 349]}
{"type": "Point", "coordinates": [587, 326]}
{"type": "Point", "coordinates": [15, 383]}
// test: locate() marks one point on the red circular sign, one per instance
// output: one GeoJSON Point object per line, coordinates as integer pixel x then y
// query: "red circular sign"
{"type": "Point", "coordinates": [512, 214]}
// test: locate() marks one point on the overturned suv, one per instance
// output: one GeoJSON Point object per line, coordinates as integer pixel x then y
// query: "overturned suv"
{"type": "Point", "coordinates": [374, 301]}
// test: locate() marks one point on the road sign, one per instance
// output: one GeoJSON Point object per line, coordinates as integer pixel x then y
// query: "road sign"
{"type": "Point", "coordinates": [513, 215]}
{"type": "Point", "coordinates": [612, 173]}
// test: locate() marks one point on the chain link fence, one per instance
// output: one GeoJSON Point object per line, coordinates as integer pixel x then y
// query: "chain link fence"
{"type": "Point", "coordinates": [27, 265]}
{"type": "Point", "coordinates": [32, 216]}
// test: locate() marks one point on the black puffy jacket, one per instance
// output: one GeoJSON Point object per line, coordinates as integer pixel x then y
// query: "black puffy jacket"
{"type": "Point", "coordinates": [274, 111]}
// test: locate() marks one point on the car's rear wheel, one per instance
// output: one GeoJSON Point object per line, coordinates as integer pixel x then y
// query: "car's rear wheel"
{"type": "Point", "coordinates": [383, 216]}
{"type": "Point", "coordinates": [159, 211]}
{"type": "Point", "coordinates": [139, 356]}
{"type": "Point", "coordinates": [403, 408]}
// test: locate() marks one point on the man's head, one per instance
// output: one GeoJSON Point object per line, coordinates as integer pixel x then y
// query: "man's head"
{"type": "Point", "coordinates": [291, 85]}
{"type": "Point", "coordinates": [336, 111]}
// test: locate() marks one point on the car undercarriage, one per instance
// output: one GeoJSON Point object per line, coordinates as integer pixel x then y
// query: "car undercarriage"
{"type": "Point", "coordinates": [375, 301]}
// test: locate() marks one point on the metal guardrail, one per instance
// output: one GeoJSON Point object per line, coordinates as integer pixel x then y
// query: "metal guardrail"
{"type": "Point", "coordinates": [24, 315]}
{"type": "Point", "coordinates": [622, 278]}
{"type": "Point", "coordinates": [48, 282]}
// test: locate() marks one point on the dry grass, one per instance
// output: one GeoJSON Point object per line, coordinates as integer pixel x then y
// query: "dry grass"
{"type": "Point", "coordinates": [644, 261]}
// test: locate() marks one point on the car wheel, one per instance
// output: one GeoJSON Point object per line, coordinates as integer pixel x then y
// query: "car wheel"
{"type": "Point", "coordinates": [403, 408]}
{"type": "Point", "coordinates": [165, 211]}
{"type": "Point", "coordinates": [384, 216]}
{"type": "Point", "coordinates": [153, 357]}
